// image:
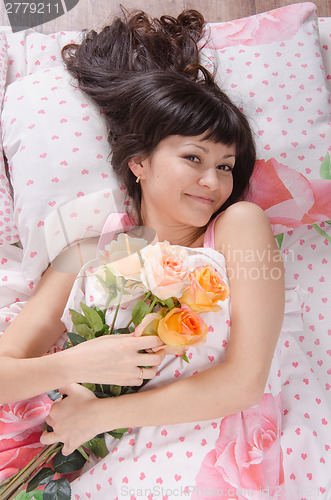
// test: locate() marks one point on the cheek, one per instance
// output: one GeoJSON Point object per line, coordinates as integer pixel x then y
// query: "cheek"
{"type": "Point", "coordinates": [227, 185]}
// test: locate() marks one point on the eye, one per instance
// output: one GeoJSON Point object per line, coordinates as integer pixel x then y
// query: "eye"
{"type": "Point", "coordinates": [225, 168]}
{"type": "Point", "coordinates": [193, 158]}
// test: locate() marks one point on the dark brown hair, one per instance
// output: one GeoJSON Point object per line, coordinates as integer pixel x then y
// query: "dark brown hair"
{"type": "Point", "coordinates": [146, 77]}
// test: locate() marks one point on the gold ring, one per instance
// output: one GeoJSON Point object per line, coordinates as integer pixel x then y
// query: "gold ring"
{"type": "Point", "coordinates": [141, 373]}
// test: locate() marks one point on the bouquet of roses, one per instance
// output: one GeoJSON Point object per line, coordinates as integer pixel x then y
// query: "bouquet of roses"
{"type": "Point", "coordinates": [169, 296]}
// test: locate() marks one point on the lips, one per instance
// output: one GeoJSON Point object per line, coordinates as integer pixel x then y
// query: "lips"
{"type": "Point", "coordinates": [201, 199]}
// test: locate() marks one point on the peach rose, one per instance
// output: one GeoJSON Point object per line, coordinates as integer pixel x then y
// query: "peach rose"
{"type": "Point", "coordinates": [247, 454]}
{"type": "Point", "coordinates": [181, 328]}
{"type": "Point", "coordinates": [207, 288]}
{"type": "Point", "coordinates": [165, 272]}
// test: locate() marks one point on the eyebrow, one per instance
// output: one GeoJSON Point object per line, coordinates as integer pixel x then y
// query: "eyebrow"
{"type": "Point", "coordinates": [206, 150]}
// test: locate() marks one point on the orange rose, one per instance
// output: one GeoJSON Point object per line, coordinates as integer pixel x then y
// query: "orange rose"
{"type": "Point", "coordinates": [181, 328]}
{"type": "Point", "coordinates": [206, 289]}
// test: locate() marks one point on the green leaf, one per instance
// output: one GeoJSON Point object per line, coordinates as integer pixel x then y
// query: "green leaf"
{"type": "Point", "coordinates": [104, 331]}
{"type": "Point", "coordinates": [75, 339]}
{"type": "Point", "coordinates": [115, 390]}
{"type": "Point", "coordinates": [57, 490]}
{"type": "Point", "coordinates": [323, 233]}
{"type": "Point", "coordinates": [110, 278]}
{"type": "Point", "coordinates": [325, 168]}
{"type": "Point", "coordinates": [44, 476]}
{"type": "Point", "coordinates": [90, 387]}
{"type": "Point", "coordinates": [185, 358]}
{"type": "Point", "coordinates": [118, 433]}
{"type": "Point", "coordinates": [98, 446]}
{"type": "Point", "coordinates": [101, 314]}
{"type": "Point", "coordinates": [92, 316]}
{"type": "Point", "coordinates": [101, 280]}
{"type": "Point", "coordinates": [119, 331]}
{"type": "Point", "coordinates": [139, 312]}
{"type": "Point", "coordinates": [170, 303]}
{"type": "Point", "coordinates": [83, 453]}
{"type": "Point", "coordinates": [78, 319]}
{"type": "Point", "coordinates": [23, 495]}
{"type": "Point", "coordinates": [85, 331]}
{"type": "Point", "coordinates": [70, 463]}
{"type": "Point", "coordinates": [327, 221]}
{"type": "Point", "coordinates": [279, 238]}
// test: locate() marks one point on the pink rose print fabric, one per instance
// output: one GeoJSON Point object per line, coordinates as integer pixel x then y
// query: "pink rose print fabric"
{"type": "Point", "coordinates": [288, 198]}
{"type": "Point", "coordinates": [21, 425]}
{"type": "Point", "coordinates": [261, 29]}
{"type": "Point", "coordinates": [247, 455]}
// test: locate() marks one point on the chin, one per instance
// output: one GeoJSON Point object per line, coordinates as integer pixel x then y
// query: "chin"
{"type": "Point", "coordinates": [200, 222]}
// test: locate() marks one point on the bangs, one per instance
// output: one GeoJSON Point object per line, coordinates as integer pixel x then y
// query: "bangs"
{"type": "Point", "coordinates": [197, 111]}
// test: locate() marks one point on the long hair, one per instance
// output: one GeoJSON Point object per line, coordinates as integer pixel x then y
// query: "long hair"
{"type": "Point", "coordinates": [146, 77]}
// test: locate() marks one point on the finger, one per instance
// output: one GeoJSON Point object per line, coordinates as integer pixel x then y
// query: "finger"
{"type": "Point", "coordinates": [161, 348]}
{"type": "Point", "coordinates": [69, 389]}
{"type": "Point", "coordinates": [149, 342]}
{"type": "Point", "coordinates": [48, 438]}
{"type": "Point", "coordinates": [149, 373]}
{"type": "Point", "coordinates": [152, 359]}
{"type": "Point", "coordinates": [67, 450]}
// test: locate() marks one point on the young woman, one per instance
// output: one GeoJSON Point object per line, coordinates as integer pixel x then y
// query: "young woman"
{"type": "Point", "coordinates": [185, 154]}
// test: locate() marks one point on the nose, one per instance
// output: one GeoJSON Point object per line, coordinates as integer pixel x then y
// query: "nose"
{"type": "Point", "coordinates": [209, 178]}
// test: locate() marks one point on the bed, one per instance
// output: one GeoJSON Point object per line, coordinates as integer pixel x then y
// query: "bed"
{"type": "Point", "coordinates": [56, 187]}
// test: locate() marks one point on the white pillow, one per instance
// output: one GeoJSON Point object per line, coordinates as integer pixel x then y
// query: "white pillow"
{"type": "Point", "coordinates": [270, 64]}
{"type": "Point", "coordinates": [55, 140]}
{"type": "Point", "coordinates": [8, 231]}
{"type": "Point", "coordinates": [30, 51]}
{"type": "Point", "coordinates": [324, 27]}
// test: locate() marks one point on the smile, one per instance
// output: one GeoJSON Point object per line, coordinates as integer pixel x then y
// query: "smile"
{"type": "Point", "coordinates": [201, 199]}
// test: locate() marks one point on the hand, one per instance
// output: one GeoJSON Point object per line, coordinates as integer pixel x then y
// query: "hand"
{"type": "Point", "coordinates": [115, 359]}
{"type": "Point", "coordinates": [73, 419]}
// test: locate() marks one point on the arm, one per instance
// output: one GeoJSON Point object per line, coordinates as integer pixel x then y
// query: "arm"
{"type": "Point", "coordinates": [257, 303]}
{"type": "Point", "coordinates": [27, 372]}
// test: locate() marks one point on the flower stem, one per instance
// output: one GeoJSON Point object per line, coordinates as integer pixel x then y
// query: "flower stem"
{"type": "Point", "coordinates": [17, 482]}
{"type": "Point", "coordinates": [116, 311]}
{"type": "Point", "coordinates": [148, 296]}
{"type": "Point", "coordinates": [151, 307]}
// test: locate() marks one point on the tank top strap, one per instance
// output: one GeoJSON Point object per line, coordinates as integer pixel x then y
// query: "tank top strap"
{"type": "Point", "coordinates": [209, 239]}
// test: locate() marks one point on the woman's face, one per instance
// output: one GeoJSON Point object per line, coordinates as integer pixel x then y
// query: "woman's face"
{"type": "Point", "coordinates": [185, 181]}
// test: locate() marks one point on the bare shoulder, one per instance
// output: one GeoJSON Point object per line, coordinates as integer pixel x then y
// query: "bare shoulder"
{"type": "Point", "coordinates": [243, 224]}
{"type": "Point", "coordinates": [242, 212]}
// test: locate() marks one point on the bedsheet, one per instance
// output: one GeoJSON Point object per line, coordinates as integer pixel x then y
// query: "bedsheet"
{"type": "Point", "coordinates": [305, 354]}
{"type": "Point", "coordinates": [306, 414]}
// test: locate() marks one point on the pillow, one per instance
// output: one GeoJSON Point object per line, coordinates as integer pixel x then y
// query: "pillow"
{"type": "Point", "coordinates": [8, 232]}
{"type": "Point", "coordinates": [57, 151]}
{"type": "Point", "coordinates": [287, 107]}
{"type": "Point", "coordinates": [270, 65]}
{"type": "Point", "coordinates": [30, 51]}
{"type": "Point", "coordinates": [324, 27]}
